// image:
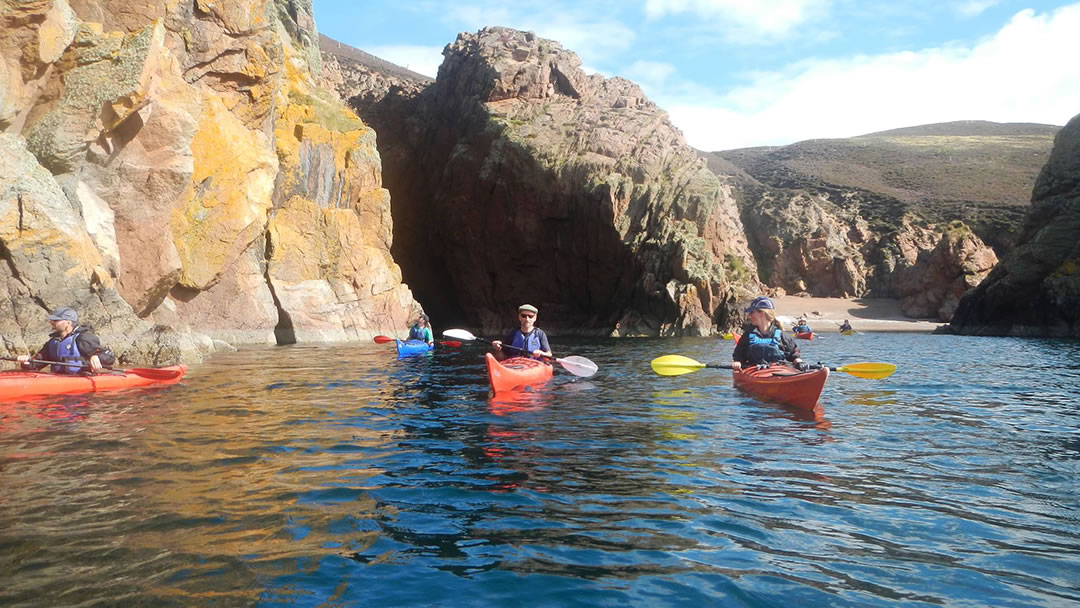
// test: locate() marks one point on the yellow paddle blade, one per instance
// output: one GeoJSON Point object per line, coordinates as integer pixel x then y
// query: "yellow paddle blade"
{"type": "Point", "coordinates": [870, 370]}
{"type": "Point", "coordinates": [675, 365]}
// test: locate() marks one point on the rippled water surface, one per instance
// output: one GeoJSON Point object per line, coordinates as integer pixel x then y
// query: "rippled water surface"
{"type": "Point", "coordinates": [344, 476]}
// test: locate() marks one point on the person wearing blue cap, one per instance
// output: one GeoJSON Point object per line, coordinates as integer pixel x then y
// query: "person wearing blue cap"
{"type": "Point", "coordinates": [527, 337]}
{"type": "Point", "coordinates": [74, 347]}
{"type": "Point", "coordinates": [763, 341]}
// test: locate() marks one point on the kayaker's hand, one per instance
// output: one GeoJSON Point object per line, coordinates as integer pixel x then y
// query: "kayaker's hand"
{"type": "Point", "coordinates": [801, 366]}
{"type": "Point", "coordinates": [95, 363]}
{"type": "Point", "coordinates": [497, 344]}
{"type": "Point", "coordinates": [736, 365]}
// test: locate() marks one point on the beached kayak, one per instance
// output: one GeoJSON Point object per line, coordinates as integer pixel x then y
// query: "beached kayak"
{"type": "Point", "coordinates": [516, 373]}
{"type": "Point", "coordinates": [805, 335]}
{"type": "Point", "coordinates": [783, 384]}
{"type": "Point", "coordinates": [412, 347]}
{"type": "Point", "coordinates": [18, 384]}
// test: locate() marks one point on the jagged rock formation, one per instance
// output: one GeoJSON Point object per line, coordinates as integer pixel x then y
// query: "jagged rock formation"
{"type": "Point", "coordinates": [184, 180]}
{"type": "Point", "coordinates": [517, 177]}
{"type": "Point", "coordinates": [1035, 290]}
{"type": "Point", "coordinates": [871, 216]}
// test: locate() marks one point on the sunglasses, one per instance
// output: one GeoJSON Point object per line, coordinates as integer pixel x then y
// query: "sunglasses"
{"type": "Point", "coordinates": [525, 315]}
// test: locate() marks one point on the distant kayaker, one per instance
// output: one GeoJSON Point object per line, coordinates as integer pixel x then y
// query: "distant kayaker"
{"type": "Point", "coordinates": [527, 337]}
{"type": "Point", "coordinates": [846, 326]}
{"type": "Point", "coordinates": [763, 341]}
{"type": "Point", "coordinates": [421, 330]}
{"type": "Point", "coordinates": [801, 327]}
{"type": "Point", "coordinates": [72, 344]}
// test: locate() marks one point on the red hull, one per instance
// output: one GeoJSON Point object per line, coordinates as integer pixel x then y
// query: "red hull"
{"type": "Point", "coordinates": [19, 384]}
{"type": "Point", "coordinates": [783, 384]}
{"type": "Point", "coordinates": [515, 373]}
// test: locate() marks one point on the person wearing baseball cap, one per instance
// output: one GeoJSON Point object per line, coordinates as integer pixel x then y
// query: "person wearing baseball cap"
{"type": "Point", "coordinates": [763, 341]}
{"type": "Point", "coordinates": [73, 347]}
{"type": "Point", "coordinates": [527, 337]}
{"type": "Point", "coordinates": [421, 330]}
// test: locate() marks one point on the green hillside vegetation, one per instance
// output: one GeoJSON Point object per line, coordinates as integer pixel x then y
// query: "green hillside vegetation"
{"type": "Point", "coordinates": [975, 171]}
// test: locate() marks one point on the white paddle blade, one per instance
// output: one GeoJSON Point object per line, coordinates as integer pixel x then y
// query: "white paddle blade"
{"type": "Point", "coordinates": [459, 334]}
{"type": "Point", "coordinates": [579, 366]}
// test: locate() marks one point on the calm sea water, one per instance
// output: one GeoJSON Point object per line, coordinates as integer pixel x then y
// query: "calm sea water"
{"type": "Point", "coordinates": [344, 476]}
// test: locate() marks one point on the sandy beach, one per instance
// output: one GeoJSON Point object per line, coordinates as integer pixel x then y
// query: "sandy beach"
{"type": "Point", "coordinates": [825, 315]}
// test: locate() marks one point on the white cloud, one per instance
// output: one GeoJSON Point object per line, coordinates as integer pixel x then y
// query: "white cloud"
{"type": "Point", "coordinates": [420, 59]}
{"type": "Point", "coordinates": [648, 74]}
{"type": "Point", "coordinates": [1024, 73]}
{"type": "Point", "coordinates": [745, 19]}
{"type": "Point", "coordinates": [974, 8]}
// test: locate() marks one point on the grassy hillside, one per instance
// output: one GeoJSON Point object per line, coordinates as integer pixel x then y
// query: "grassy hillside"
{"type": "Point", "coordinates": [976, 171]}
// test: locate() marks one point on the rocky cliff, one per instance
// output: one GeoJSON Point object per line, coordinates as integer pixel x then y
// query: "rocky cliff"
{"type": "Point", "coordinates": [1035, 290]}
{"type": "Point", "coordinates": [171, 170]}
{"type": "Point", "coordinates": [878, 215]}
{"type": "Point", "coordinates": [519, 178]}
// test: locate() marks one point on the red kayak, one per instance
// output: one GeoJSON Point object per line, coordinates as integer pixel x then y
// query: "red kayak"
{"type": "Point", "coordinates": [805, 335]}
{"type": "Point", "coordinates": [783, 384]}
{"type": "Point", "coordinates": [515, 373]}
{"type": "Point", "coordinates": [18, 384]}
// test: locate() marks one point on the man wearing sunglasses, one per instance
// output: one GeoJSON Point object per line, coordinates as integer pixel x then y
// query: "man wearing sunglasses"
{"type": "Point", "coordinates": [527, 337]}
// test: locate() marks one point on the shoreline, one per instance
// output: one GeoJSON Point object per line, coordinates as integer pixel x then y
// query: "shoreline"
{"type": "Point", "coordinates": [824, 315]}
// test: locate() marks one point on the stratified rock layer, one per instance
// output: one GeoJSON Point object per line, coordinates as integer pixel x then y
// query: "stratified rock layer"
{"type": "Point", "coordinates": [1035, 290]}
{"type": "Point", "coordinates": [175, 165]}
{"type": "Point", "coordinates": [519, 178]}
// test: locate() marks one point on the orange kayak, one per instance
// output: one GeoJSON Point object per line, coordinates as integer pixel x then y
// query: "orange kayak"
{"type": "Point", "coordinates": [18, 384]}
{"type": "Point", "coordinates": [783, 384]}
{"type": "Point", "coordinates": [805, 335]}
{"type": "Point", "coordinates": [515, 373]}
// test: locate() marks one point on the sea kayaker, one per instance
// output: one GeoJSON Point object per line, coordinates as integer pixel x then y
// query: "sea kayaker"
{"type": "Point", "coordinates": [421, 330]}
{"type": "Point", "coordinates": [846, 326]}
{"type": "Point", "coordinates": [763, 341]}
{"type": "Point", "coordinates": [71, 344]}
{"type": "Point", "coordinates": [801, 327]}
{"type": "Point", "coordinates": [527, 337]}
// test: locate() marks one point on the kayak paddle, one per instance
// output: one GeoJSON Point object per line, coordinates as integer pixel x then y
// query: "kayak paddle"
{"type": "Point", "coordinates": [579, 366]}
{"type": "Point", "coordinates": [385, 339]}
{"type": "Point", "coordinates": [145, 372]}
{"type": "Point", "coordinates": [676, 365]}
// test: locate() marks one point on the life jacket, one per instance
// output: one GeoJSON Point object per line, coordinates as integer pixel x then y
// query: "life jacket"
{"type": "Point", "coordinates": [529, 343]}
{"type": "Point", "coordinates": [417, 333]}
{"type": "Point", "coordinates": [765, 349]}
{"type": "Point", "coordinates": [66, 350]}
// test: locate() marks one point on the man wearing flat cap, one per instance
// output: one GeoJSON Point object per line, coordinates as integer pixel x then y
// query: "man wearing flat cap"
{"type": "Point", "coordinates": [74, 347]}
{"type": "Point", "coordinates": [527, 338]}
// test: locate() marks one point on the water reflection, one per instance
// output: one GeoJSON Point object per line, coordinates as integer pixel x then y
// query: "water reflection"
{"type": "Point", "coordinates": [347, 476]}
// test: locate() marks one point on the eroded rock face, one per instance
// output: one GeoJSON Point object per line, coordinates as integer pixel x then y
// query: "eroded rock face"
{"type": "Point", "coordinates": [933, 285]}
{"type": "Point", "coordinates": [1035, 290]}
{"type": "Point", "coordinates": [519, 178]}
{"type": "Point", "coordinates": [165, 139]}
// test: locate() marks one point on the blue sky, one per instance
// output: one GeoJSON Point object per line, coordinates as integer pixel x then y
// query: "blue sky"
{"type": "Point", "coordinates": [738, 73]}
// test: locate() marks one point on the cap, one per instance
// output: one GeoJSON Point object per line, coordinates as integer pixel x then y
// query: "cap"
{"type": "Point", "coordinates": [528, 308]}
{"type": "Point", "coordinates": [760, 303]}
{"type": "Point", "coordinates": [64, 314]}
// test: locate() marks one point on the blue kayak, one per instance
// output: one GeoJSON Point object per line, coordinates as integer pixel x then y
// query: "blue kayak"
{"type": "Point", "coordinates": [412, 347]}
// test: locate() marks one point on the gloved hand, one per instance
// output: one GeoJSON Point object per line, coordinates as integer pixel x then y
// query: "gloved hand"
{"type": "Point", "coordinates": [802, 366]}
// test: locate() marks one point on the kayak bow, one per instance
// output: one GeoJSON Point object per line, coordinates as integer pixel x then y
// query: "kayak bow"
{"type": "Point", "coordinates": [515, 373]}
{"type": "Point", "coordinates": [17, 384]}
